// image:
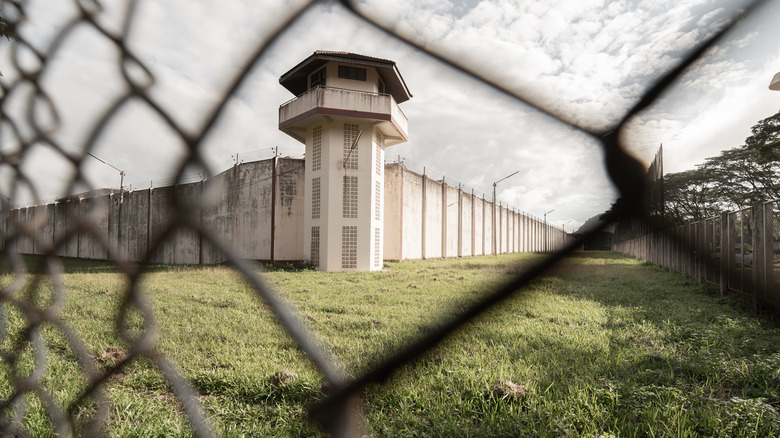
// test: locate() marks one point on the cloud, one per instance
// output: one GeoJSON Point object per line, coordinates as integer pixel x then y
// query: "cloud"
{"type": "Point", "coordinates": [585, 61]}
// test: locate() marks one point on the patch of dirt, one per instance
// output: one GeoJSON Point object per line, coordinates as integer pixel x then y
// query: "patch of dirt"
{"type": "Point", "coordinates": [507, 389]}
{"type": "Point", "coordinates": [165, 397]}
{"type": "Point", "coordinates": [111, 356]}
{"type": "Point", "coordinates": [283, 377]}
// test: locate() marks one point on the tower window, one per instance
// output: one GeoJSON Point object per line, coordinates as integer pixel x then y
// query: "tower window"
{"type": "Point", "coordinates": [315, 198]}
{"type": "Point", "coordinates": [349, 247]}
{"type": "Point", "coordinates": [351, 133]}
{"type": "Point", "coordinates": [315, 246]}
{"type": "Point", "coordinates": [378, 151]}
{"type": "Point", "coordinates": [316, 152]}
{"type": "Point", "coordinates": [317, 79]}
{"type": "Point", "coordinates": [377, 247]}
{"type": "Point", "coordinates": [350, 201]}
{"type": "Point", "coordinates": [354, 73]}
{"type": "Point", "coordinates": [377, 200]}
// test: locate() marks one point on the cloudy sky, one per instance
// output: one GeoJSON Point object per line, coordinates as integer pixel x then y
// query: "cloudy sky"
{"type": "Point", "coordinates": [585, 61]}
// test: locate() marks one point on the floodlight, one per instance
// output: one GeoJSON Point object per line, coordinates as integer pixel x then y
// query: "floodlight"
{"type": "Point", "coordinates": [775, 84]}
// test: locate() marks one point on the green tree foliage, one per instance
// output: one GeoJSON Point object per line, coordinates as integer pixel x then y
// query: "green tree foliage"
{"type": "Point", "coordinates": [690, 195]}
{"type": "Point", "coordinates": [740, 179]}
{"type": "Point", "coordinates": [765, 141]}
{"type": "Point", "coordinates": [5, 30]}
{"type": "Point", "coordinates": [734, 179]}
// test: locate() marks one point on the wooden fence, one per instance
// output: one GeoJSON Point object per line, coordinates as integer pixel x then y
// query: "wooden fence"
{"type": "Point", "coordinates": [739, 250]}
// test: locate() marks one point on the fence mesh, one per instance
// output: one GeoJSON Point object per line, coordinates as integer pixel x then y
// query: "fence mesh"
{"type": "Point", "coordinates": [39, 301]}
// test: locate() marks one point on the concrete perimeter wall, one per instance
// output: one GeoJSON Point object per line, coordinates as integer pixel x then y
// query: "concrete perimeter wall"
{"type": "Point", "coordinates": [426, 218]}
{"type": "Point", "coordinates": [256, 210]}
{"type": "Point", "coordinates": [175, 225]}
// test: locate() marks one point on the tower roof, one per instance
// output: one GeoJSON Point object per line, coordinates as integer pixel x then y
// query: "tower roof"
{"type": "Point", "coordinates": [295, 80]}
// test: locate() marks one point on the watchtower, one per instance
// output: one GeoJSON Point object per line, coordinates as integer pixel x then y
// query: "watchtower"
{"type": "Point", "coordinates": [346, 113]}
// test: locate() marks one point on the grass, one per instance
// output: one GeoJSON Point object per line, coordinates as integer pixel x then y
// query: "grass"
{"type": "Point", "coordinates": [603, 345]}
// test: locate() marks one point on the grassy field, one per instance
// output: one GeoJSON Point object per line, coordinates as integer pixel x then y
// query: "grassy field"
{"type": "Point", "coordinates": [602, 346]}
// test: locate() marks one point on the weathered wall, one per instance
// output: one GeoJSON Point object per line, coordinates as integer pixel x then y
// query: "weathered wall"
{"type": "Point", "coordinates": [26, 242]}
{"type": "Point", "coordinates": [433, 218]}
{"type": "Point", "coordinates": [256, 209]}
{"type": "Point", "coordinates": [235, 206]}
{"type": "Point", "coordinates": [452, 207]}
{"type": "Point", "coordinates": [135, 222]}
{"type": "Point", "coordinates": [479, 225]}
{"type": "Point", "coordinates": [288, 233]}
{"type": "Point", "coordinates": [393, 219]}
{"type": "Point", "coordinates": [44, 236]}
{"type": "Point", "coordinates": [160, 217]}
{"type": "Point", "coordinates": [66, 220]}
{"type": "Point", "coordinates": [251, 190]}
{"type": "Point", "coordinates": [186, 240]}
{"type": "Point", "coordinates": [466, 225]}
{"type": "Point", "coordinates": [220, 201]}
{"type": "Point", "coordinates": [412, 227]}
{"type": "Point", "coordinates": [90, 245]}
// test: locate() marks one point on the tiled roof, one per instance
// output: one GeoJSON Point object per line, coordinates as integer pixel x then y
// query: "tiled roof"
{"type": "Point", "coordinates": [350, 55]}
{"type": "Point", "coordinates": [295, 79]}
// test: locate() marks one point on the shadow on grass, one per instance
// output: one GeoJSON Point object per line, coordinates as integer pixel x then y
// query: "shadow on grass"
{"type": "Point", "coordinates": [70, 265]}
{"type": "Point", "coordinates": [268, 391]}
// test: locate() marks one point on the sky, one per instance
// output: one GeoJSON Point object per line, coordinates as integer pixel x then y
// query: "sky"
{"type": "Point", "coordinates": [584, 61]}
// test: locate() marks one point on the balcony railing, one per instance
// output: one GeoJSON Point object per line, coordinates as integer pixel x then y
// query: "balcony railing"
{"type": "Point", "coordinates": [361, 103]}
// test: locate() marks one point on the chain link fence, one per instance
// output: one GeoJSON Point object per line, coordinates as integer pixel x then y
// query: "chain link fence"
{"type": "Point", "coordinates": [737, 250]}
{"type": "Point", "coordinates": [23, 130]}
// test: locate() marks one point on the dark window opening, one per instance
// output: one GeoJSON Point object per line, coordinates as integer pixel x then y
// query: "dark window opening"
{"type": "Point", "coordinates": [354, 73]}
{"type": "Point", "coordinates": [317, 78]}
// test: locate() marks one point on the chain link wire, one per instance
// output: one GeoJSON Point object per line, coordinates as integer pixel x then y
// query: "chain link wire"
{"type": "Point", "coordinates": [26, 294]}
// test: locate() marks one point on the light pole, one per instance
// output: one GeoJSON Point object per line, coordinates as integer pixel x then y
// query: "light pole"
{"type": "Point", "coordinates": [121, 196]}
{"type": "Point", "coordinates": [564, 224]}
{"type": "Point", "coordinates": [565, 240]}
{"type": "Point", "coordinates": [494, 210]}
{"type": "Point", "coordinates": [121, 174]}
{"type": "Point", "coordinates": [546, 231]}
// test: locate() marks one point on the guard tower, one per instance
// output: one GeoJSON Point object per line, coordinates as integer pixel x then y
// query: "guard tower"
{"type": "Point", "coordinates": [346, 113]}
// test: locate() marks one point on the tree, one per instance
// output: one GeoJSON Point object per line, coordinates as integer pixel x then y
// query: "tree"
{"type": "Point", "coordinates": [740, 179]}
{"type": "Point", "coordinates": [734, 179]}
{"type": "Point", "coordinates": [5, 30]}
{"type": "Point", "coordinates": [690, 195]}
{"type": "Point", "coordinates": [765, 141]}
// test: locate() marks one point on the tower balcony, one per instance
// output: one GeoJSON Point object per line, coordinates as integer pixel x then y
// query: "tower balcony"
{"type": "Point", "coordinates": [338, 103]}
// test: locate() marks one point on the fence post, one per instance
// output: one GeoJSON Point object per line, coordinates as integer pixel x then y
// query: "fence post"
{"type": "Point", "coordinates": [401, 213]}
{"type": "Point", "coordinates": [759, 256]}
{"type": "Point", "coordinates": [424, 206]}
{"type": "Point", "coordinates": [460, 221]}
{"type": "Point", "coordinates": [770, 279]}
{"type": "Point", "coordinates": [443, 218]}
{"type": "Point", "coordinates": [483, 224]}
{"type": "Point", "coordinates": [274, 184]}
{"type": "Point", "coordinates": [725, 227]}
{"type": "Point", "coordinates": [473, 225]}
{"type": "Point", "coordinates": [701, 254]}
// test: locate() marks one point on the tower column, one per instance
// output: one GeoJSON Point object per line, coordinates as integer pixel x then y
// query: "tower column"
{"type": "Point", "coordinates": [345, 113]}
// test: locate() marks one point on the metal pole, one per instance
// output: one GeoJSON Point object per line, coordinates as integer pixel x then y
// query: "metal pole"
{"type": "Point", "coordinates": [493, 220]}
{"type": "Point", "coordinates": [121, 200]}
{"type": "Point", "coordinates": [494, 209]}
{"type": "Point", "coordinates": [546, 246]}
